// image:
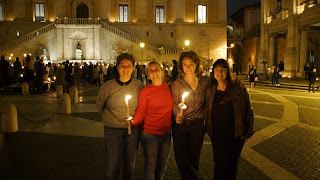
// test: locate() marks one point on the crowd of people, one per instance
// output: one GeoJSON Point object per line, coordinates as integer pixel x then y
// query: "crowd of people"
{"type": "Point", "coordinates": [217, 104]}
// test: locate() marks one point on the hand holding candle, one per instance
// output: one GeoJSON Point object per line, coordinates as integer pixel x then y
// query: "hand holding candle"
{"type": "Point", "coordinates": [127, 115]}
{"type": "Point", "coordinates": [182, 106]}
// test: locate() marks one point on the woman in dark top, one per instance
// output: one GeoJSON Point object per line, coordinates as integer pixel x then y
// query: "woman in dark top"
{"type": "Point", "coordinates": [229, 119]}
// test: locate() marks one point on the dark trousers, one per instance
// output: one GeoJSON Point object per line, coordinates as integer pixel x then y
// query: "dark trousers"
{"type": "Point", "coordinates": [226, 157]}
{"type": "Point", "coordinates": [311, 85]}
{"type": "Point", "coordinates": [188, 141]}
{"type": "Point", "coordinates": [156, 150]}
{"type": "Point", "coordinates": [120, 148]}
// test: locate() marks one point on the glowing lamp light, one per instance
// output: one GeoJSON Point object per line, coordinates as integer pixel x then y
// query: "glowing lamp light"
{"type": "Point", "coordinates": [49, 79]}
{"type": "Point", "coordinates": [21, 75]}
{"type": "Point", "coordinates": [54, 78]}
{"type": "Point", "coordinates": [289, 77]}
{"type": "Point", "coordinates": [25, 55]}
{"type": "Point", "coordinates": [171, 68]}
{"type": "Point", "coordinates": [187, 42]}
{"type": "Point", "coordinates": [30, 54]}
{"type": "Point", "coordinates": [10, 59]}
{"type": "Point", "coordinates": [232, 45]}
{"type": "Point", "coordinates": [11, 54]}
{"type": "Point", "coordinates": [142, 45]}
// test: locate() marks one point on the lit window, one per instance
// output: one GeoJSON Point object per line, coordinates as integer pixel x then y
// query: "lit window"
{"type": "Point", "coordinates": [238, 34]}
{"type": "Point", "coordinates": [229, 31]}
{"type": "Point", "coordinates": [279, 5]}
{"type": "Point", "coordinates": [1, 17]}
{"type": "Point", "coordinates": [202, 14]}
{"type": "Point", "coordinates": [39, 12]}
{"type": "Point", "coordinates": [159, 14]}
{"type": "Point", "coordinates": [123, 10]}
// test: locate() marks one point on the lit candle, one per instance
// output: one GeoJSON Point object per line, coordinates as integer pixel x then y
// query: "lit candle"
{"type": "Point", "coordinates": [21, 75]}
{"type": "Point", "coordinates": [54, 78]}
{"type": "Point", "coordinates": [49, 79]}
{"type": "Point", "coordinates": [127, 104]}
{"type": "Point", "coordinates": [182, 105]}
{"type": "Point", "coordinates": [128, 116]}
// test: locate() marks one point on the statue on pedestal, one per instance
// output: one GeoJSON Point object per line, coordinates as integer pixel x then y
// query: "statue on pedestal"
{"type": "Point", "coordinates": [79, 45]}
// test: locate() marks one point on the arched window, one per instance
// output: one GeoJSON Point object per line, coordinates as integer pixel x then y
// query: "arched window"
{"type": "Point", "coordinates": [229, 30]}
{"type": "Point", "coordinates": [1, 15]}
{"type": "Point", "coordinates": [82, 11]}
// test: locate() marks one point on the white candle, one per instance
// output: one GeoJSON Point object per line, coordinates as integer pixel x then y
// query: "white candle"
{"type": "Point", "coordinates": [127, 104]}
{"type": "Point", "coordinates": [184, 95]}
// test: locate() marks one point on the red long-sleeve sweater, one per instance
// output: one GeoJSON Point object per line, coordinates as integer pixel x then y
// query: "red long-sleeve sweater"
{"type": "Point", "coordinates": [154, 109]}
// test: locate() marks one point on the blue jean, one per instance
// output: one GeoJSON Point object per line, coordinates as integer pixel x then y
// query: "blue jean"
{"type": "Point", "coordinates": [120, 147]}
{"type": "Point", "coordinates": [156, 154]}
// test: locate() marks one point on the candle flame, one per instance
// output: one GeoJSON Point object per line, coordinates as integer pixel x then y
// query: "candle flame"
{"type": "Point", "coordinates": [185, 94]}
{"type": "Point", "coordinates": [128, 97]}
{"type": "Point", "coordinates": [49, 79]}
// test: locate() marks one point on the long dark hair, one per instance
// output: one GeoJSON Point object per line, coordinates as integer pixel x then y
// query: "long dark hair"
{"type": "Point", "coordinates": [231, 89]}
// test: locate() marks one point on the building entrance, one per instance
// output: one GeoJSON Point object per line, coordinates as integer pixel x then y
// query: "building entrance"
{"type": "Point", "coordinates": [82, 11]}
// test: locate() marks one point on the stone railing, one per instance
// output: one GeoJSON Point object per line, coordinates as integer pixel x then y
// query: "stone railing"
{"type": "Point", "coordinates": [78, 21]}
{"type": "Point", "coordinates": [27, 37]}
{"type": "Point", "coordinates": [128, 37]}
{"type": "Point", "coordinates": [171, 51]}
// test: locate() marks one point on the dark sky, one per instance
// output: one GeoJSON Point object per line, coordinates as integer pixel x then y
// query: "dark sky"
{"type": "Point", "coordinates": [234, 5]}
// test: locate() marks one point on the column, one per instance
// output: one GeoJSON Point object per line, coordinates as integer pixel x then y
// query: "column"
{"type": "Point", "coordinates": [271, 51]}
{"type": "Point", "coordinates": [59, 43]}
{"type": "Point", "coordinates": [303, 51]}
{"type": "Point", "coordinates": [290, 60]}
{"type": "Point", "coordinates": [290, 55]}
{"type": "Point", "coordinates": [262, 55]}
{"type": "Point", "coordinates": [96, 43]}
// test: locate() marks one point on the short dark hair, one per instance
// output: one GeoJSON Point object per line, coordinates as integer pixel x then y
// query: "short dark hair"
{"type": "Point", "coordinates": [124, 56]}
{"type": "Point", "coordinates": [192, 55]}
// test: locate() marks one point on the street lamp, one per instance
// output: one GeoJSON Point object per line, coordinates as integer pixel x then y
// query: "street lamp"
{"type": "Point", "coordinates": [187, 42]}
{"type": "Point", "coordinates": [142, 46]}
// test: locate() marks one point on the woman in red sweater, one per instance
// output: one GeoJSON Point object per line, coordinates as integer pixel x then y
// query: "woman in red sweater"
{"type": "Point", "coordinates": [154, 113]}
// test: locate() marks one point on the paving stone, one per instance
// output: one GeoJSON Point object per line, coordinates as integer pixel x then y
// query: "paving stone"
{"type": "Point", "coordinates": [304, 101]}
{"type": "Point", "coordinates": [269, 110]}
{"type": "Point", "coordinates": [296, 149]}
{"type": "Point", "coordinates": [309, 116]}
{"type": "Point", "coordinates": [261, 124]}
{"type": "Point", "coordinates": [51, 156]}
{"type": "Point", "coordinates": [95, 116]}
{"type": "Point", "coordinates": [263, 97]}
{"type": "Point", "coordinates": [89, 93]}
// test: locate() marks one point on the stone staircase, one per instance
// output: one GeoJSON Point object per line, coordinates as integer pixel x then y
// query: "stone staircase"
{"type": "Point", "coordinates": [86, 21]}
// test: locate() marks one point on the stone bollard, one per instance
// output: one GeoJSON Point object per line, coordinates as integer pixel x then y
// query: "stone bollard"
{"type": "Point", "coordinates": [9, 118]}
{"type": "Point", "coordinates": [59, 90]}
{"type": "Point", "coordinates": [25, 89]}
{"type": "Point", "coordinates": [65, 106]}
{"type": "Point", "coordinates": [73, 92]}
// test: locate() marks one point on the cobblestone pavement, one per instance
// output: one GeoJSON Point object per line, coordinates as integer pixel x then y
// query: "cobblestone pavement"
{"type": "Point", "coordinates": [285, 146]}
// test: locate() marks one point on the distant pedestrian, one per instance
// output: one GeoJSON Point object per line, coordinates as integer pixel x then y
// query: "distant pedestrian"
{"type": "Point", "coordinates": [272, 74]}
{"type": "Point", "coordinates": [4, 71]}
{"type": "Point", "coordinates": [306, 71]}
{"type": "Point", "coordinates": [312, 77]}
{"type": "Point", "coordinates": [252, 76]}
{"type": "Point", "coordinates": [277, 76]}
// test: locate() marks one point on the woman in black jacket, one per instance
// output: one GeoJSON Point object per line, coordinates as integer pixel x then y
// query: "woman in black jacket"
{"type": "Point", "coordinates": [229, 119]}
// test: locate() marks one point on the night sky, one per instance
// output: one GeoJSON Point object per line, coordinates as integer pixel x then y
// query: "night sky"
{"type": "Point", "coordinates": [234, 5]}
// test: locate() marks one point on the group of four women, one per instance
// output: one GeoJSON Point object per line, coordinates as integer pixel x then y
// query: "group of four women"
{"type": "Point", "coordinates": [217, 105]}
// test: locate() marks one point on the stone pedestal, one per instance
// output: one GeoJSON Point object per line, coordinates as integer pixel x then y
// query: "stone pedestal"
{"type": "Point", "coordinates": [78, 54]}
{"type": "Point", "coordinates": [9, 118]}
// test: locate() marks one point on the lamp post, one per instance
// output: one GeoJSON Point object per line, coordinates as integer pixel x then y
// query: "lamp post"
{"type": "Point", "coordinates": [142, 46]}
{"type": "Point", "coordinates": [187, 42]}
